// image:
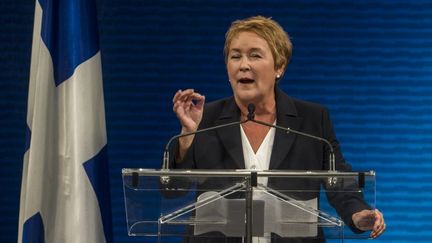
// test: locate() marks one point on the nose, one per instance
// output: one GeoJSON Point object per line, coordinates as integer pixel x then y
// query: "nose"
{"type": "Point", "coordinates": [244, 65]}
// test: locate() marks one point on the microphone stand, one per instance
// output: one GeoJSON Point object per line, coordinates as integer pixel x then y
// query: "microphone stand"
{"type": "Point", "coordinates": [166, 157]}
{"type": "Point", "coordinates": [331, 180]}
{"type": "Point", "coordinates": [251, 117]}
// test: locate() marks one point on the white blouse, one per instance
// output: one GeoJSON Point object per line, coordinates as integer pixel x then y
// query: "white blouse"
{"type": "Point", "coordinates": [261, 159]}
{"type": "Point", "coordinates": [258, 161]}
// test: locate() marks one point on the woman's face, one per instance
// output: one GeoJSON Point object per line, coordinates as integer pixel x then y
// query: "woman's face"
{"type": "Point", "coordinates": [250, 67]}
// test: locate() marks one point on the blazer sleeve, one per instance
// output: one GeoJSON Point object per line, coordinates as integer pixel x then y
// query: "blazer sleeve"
{"type": "Point", "coordinates": [188, 161]}
{"type": "Point", "coordinates": [346, 196]}
{"type": "Point", "coordinates": [171, 189]}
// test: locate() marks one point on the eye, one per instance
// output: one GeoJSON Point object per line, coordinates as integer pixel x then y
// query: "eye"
{"type": "Point", "coordinates": [235, 56]}
{"type": "Point", "coordinates": [255, 55]}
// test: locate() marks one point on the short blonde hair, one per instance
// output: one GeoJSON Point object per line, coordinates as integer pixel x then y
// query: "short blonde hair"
{"type": "Point", "coordinates": [268, 29]}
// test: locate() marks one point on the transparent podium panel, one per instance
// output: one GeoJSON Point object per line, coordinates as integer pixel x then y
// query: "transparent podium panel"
{"type": "Point", "coordinates": [171, 205]}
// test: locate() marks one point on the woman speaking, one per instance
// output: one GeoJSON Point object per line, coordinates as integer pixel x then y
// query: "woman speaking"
{"type": "Point", "coordinates": [257, 51]}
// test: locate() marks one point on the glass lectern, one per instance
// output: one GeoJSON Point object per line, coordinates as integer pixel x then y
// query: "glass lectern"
{"type": "Point", "coordinates": [169, 205]}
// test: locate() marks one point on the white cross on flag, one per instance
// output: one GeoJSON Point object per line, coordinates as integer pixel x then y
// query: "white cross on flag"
{"type": "Point", "coordinates": [65, 187]}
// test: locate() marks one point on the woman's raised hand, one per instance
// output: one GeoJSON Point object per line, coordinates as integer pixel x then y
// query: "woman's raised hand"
{"type": "Point", "coordinates": [188, 106]}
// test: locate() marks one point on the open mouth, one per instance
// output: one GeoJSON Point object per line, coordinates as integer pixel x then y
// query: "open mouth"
{"type": "Point", "coordinates": [246, 81]}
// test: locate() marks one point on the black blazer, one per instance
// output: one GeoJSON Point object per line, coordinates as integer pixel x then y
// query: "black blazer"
{"type": "Point", "coordinates": [222, 148]}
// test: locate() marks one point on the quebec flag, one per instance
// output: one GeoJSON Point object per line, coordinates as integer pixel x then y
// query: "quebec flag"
{"type": "Point", "coordinates": [65, 187]}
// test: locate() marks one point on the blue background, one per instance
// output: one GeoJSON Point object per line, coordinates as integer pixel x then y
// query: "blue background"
{"type": "Point", "coordinates": [369, 62]}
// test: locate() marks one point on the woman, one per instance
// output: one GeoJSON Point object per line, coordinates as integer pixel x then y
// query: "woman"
{"type": "Point", "coordinates": [257, 51]}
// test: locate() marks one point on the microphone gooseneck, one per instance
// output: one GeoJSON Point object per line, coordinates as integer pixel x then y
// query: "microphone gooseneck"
{"type": "Point", "coordinates": [166, 157]}
{"type": "Point", "coordinates": [251, 117]}
{"type": "Point", "coordinates": [332, 163]}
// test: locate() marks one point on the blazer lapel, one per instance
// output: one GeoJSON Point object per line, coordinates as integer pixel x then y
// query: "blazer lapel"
{"type": "Point", "coordinates": [286, 117]}
{"type": "Point", "coordinates": [230, 136]}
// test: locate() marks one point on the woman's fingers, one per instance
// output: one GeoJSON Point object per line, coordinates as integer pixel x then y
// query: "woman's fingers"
{"type": "Point", "coordinates": [183, 95]}
{"type": "Point", "coordinates": [188, 106]}
{"type": "Point", "coordinates": [379, 226]}
{"type": "Point", "coordinates": [200, 102]}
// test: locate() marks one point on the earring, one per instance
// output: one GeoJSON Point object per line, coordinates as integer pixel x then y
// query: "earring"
{"type": "Point", "coordinates": [278, 76]}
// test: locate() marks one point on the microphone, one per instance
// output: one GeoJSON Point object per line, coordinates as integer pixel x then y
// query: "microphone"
{"type": "Point", "coordinates": [331, 180]}
{"type": "Point", "coordinates": [166, 157]}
